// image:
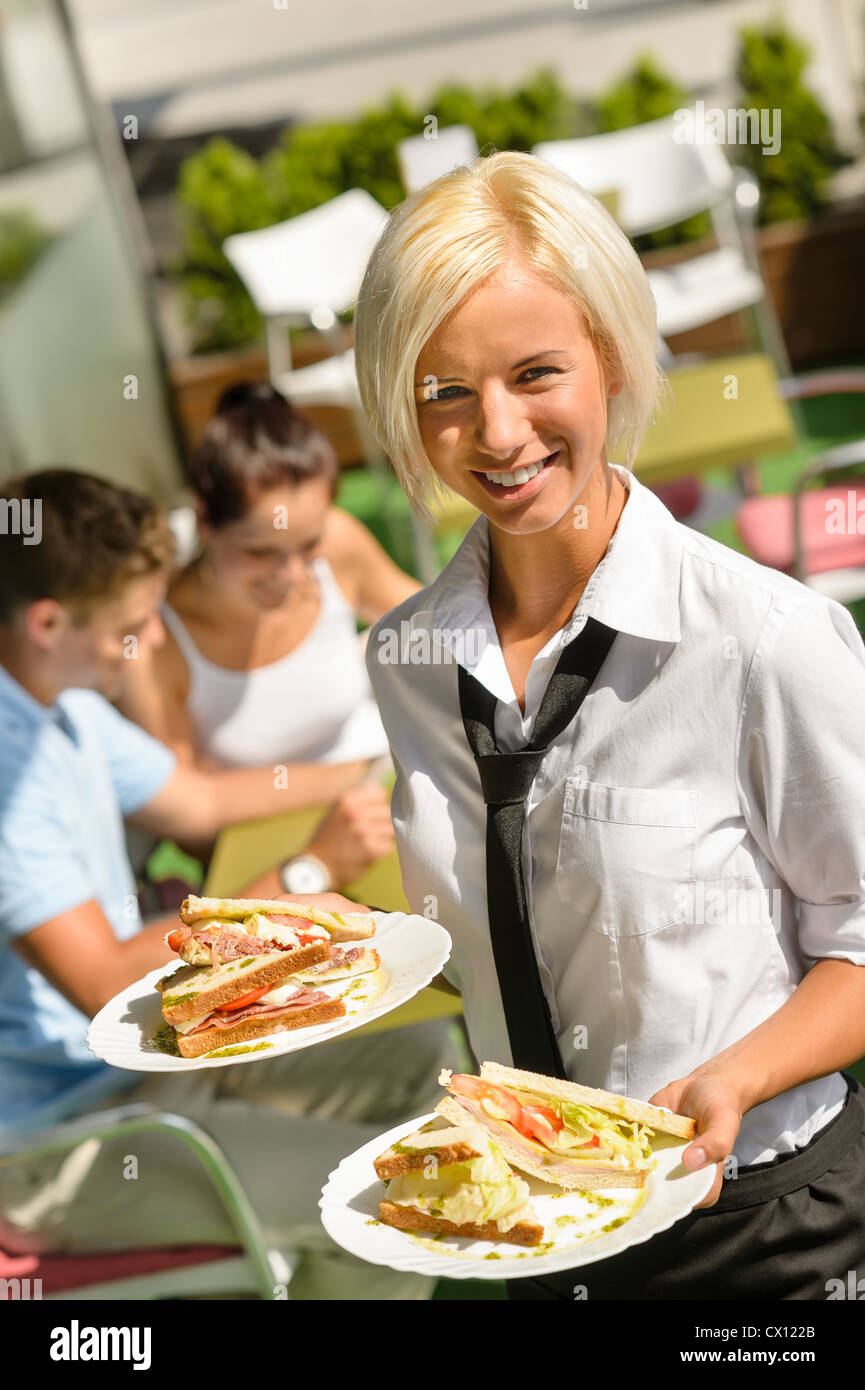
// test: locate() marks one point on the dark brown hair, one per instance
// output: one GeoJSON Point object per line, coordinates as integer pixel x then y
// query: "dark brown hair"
{"type": "Point", "coordinates": [256, 441]}
{"type": "Point", "coordinates": [93, 538]}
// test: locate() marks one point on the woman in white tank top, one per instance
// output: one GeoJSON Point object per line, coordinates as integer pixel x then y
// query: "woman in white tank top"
{"type": "Point", "coordinates": [262, 664]}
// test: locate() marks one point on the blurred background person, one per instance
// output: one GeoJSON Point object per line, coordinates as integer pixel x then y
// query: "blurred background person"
{"type": "Point", "coordinates": [263, 663]}
{"type": "Point", "coordinates": [72, 770]}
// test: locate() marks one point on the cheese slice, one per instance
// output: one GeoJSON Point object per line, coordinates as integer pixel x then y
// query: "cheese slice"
{"type": "Point", "coordinates": [453, 1134]}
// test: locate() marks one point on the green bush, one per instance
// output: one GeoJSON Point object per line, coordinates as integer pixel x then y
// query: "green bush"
{"type": "Point", "coordinates": [769, 70]}
{"type": "Point", "coordinates": [643, 94]}
{"type": "Point", "coordinates": [541, 109]}
{"type": "Point", "coordinates": [222, 190]}
{"type": "Point", "coordinates": [22, 241]}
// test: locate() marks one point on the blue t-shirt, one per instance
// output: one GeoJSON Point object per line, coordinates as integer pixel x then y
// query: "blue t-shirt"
{"type": "Point", "coordinates": [68, 776]}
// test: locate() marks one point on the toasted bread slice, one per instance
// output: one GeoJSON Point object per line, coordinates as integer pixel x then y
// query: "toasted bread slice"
{"type": "Point", "coordinates": [663, 1121]}
{"type": "Point", "coordinates": [194, 990]}
{"type": "Point", "coordinates": [572, 1174]}
{"type": "Point", "coordinates": [448, 1145]}
{"type": "Point", "coordinates": [343, 926]}
{"type": "Point", "coordinates": [209, 1039]}
{"type": "Point", "coordinates": [411, 1219]}
{"type": "Point", "coordinates": [323, 974]}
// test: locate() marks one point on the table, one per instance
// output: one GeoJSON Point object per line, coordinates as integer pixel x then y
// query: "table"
{"type": "Point", "coordinates": [706, 427]}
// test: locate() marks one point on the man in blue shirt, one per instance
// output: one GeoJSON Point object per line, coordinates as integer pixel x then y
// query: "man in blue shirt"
{"type": "Point", "coordinates": [74, 606]}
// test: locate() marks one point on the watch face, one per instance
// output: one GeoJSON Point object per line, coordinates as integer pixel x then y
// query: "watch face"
{"type": "Point", "coordinates": [303, 877]}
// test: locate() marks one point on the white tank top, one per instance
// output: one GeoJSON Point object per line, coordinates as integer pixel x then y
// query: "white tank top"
{"type": "Point", "coordinates": [314, 705]}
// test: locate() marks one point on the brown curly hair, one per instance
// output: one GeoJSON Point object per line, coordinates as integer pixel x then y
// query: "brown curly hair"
{"type": "Point", "coordinates": [94, 538]}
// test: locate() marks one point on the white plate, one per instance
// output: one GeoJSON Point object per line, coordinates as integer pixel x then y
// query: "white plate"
{"type": "Point", "coordinates": [412, 950]}
{"type": "Point", "coordinates": [349, 1212]}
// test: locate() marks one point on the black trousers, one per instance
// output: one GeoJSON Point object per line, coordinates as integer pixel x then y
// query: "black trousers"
{"type": "Point", "coordinates": [780, 1230]}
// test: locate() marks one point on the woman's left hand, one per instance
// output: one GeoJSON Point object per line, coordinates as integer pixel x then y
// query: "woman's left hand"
{"type": "Point", "coordinates": [716, 1103]}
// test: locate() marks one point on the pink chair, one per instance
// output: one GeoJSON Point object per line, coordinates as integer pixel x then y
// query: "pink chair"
{"type": "Point", "coordinates": [814, 533]}
{"type": "Point", "coordinates": [682, 497]}
{"type": "Point", "coordinates": [157, 1272]}
{"type": "Point", "coordinates": [136, 1274]}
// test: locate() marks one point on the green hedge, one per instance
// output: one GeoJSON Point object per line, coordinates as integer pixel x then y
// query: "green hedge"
{"type": "Point", "coordinates": [222, 190]}
{"type": "Point", "coordinates": [793, 181]}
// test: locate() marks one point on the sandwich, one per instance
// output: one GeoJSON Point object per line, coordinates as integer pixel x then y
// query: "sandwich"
{"type": "Point", "coordinates": [574, 1136]}
{"type": "Point", "coordinates": [215, 930]}
{"type": "Point", "coordinates": [255, 967]}
{"type": "Point", "coordinates": [454, 1181]}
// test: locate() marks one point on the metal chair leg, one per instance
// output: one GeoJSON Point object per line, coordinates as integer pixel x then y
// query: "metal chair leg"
{"type": "Point", "coordinates": [137, 1119]}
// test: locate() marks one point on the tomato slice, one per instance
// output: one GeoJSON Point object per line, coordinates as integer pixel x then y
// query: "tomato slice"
{"type": "Point", "coordinates": [242, 1003]}
{"type": "Point", "coordinates": [174, 939]}
{"type": "Point", "coordinates": [541, 1123]}
{"type": "Point", "coordinates": [533, 1121]}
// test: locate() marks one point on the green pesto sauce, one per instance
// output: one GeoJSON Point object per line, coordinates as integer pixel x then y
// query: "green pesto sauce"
{"type": "Point", "coordinates": [373, 1221]}
{"type": "Point", "coordinates": [236, 1051]}
{"type": "Point", "coordinates": [544, 1246]}
{"type": "Point", "coordinates": [619, 1221]}
{"type": "Point", "coordinates": [169, 1000]}
{"type": "Point", "coordinates": [165, 1039]}
{"type": "Point", "coordinates": [566, 1220]}
{"type": "Point", "coordinates": [492, 1256]}
{"type": "Point", "coordinates": [598, 1199]}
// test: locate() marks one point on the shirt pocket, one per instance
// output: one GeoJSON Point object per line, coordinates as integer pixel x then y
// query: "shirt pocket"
{"type": "Point", "coordinates": [626, 855]}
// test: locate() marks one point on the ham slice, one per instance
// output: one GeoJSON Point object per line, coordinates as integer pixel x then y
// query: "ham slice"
{"type": "Point", "coordinates": [227, 944]}
{"type": "Point", "coordinates": [338, 956]}
{"type": "Point", "coordinates": [303, 999]}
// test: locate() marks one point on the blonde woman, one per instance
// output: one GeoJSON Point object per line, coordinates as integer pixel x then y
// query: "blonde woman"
{"type": "Point", "coordinates": [505, 341]}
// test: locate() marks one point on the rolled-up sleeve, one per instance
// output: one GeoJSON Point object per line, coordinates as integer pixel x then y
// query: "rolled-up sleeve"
{"type": "Point", "coordinates": [800, 767]}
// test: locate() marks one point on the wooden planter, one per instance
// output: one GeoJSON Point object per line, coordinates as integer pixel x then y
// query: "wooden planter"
{"type": "Point", "coordinates": [815, 273]}
{"type": "Point", "coordinates": [196, 384]}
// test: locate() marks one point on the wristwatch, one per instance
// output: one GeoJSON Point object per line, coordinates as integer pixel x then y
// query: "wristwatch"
{"type": "Point", "coordinates": [306, 873]}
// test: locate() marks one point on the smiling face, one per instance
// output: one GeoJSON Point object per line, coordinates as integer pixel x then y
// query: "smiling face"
{"type": "Point", "coordinates": [518, 385]}
{"type": "Point", "coordinates": [258, 561]}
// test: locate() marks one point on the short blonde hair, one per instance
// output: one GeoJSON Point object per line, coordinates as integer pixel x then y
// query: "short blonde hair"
{"type": "Point", "coordinates": [454, 233]}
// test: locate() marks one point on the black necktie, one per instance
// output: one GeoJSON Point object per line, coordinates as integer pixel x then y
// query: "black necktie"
{"type": "Point", "coordinates": [506, 780]}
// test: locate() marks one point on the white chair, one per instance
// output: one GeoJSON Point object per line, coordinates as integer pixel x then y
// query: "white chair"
{"type": "Point", "coordinates": [661, 181]}
{"type": "Point", "coordinates": [423, 158]}
{"type": "Point", "coordinates": [307, 270]}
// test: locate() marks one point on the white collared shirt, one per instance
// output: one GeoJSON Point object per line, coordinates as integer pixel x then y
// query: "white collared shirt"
{"type": "Point", "coordinates": [695, 838]}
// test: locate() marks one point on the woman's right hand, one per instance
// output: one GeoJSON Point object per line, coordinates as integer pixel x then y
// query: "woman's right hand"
{"type": "Point", "coordinates": [355, 833]}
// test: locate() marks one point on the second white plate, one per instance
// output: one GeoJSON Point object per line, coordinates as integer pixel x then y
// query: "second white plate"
{"type": "Point", "coordinates": [574, 1222]}
{"type": "Point", "coordinates": [412, 949]}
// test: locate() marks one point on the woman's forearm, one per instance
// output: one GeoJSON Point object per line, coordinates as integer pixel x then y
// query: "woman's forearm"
{"type": "Point", "coordinates": [820, 1029]}
{"type": "Point", "coordinates": [239, 794]}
